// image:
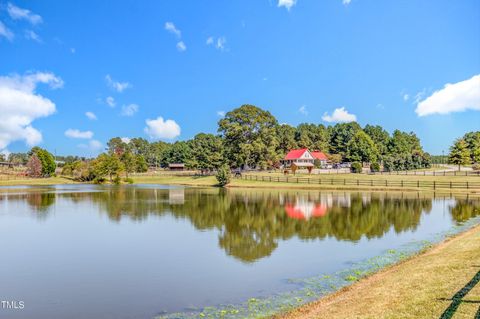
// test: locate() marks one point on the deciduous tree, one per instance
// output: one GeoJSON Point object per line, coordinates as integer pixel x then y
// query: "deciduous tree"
{"type": "Point", "coordinates": [250, 137]}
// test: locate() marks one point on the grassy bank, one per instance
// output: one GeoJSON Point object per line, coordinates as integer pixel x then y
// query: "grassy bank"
{"type": "Point", "coordinates": [35, 181]}
{"type": "Point", "coordinates": [423, 286]}
{"type": "Point", "coordinates": [211, 181]}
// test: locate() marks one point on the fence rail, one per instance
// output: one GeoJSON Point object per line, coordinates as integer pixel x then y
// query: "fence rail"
{"type": "Point", "coordinates": [365, 182]}
{"type": "Point", "coordinates": [431, 173]}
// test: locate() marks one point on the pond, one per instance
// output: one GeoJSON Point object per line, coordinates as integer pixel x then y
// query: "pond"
{"type": "Point", "coordinates": [140, 251]}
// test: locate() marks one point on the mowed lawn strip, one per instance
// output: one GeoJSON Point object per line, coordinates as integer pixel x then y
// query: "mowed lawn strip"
{"type": "Point", "coordinates": [420, 287]}
{"type": "Point", "coordinates": [424, 182]}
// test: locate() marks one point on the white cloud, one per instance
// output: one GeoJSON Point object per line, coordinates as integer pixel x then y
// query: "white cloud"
{"type": "Point", "coordinates": [126, 140]}
{"type": "Point", "coordinates": [181, 46]}
{"type": "Point", "coordinates": [110, 101]}
{"type": "Point", "coordinates": [5, 32]}
{"type": "Point", "coordinates": [74, 133]}
{"type": "Point", "coordinates": [346, 2]}
{"type": "Point", "coordinates": [406, 97]}
{"type": "Point", "coordinates": [116, 85]}
{"type": "Point", "coordinates": [221, 113]}
{"type": "Point", "coordinates": [17, 13]}
{"type": "Point", "coordinates": [456, 97]}
{"type": "Point", "coordinates": [287, 3]}
{"type": "Point", "coordinates": [170, 27]}
{"type": "Point", "coordinates": [221, 41]}
{"type": "Point", "coordinates": [129, 110]}
{"type": "Point", "coordinates": [95, 145]}
{"type": "Point", "coordinates": [339, 115]}
{"type": "Point", "coordinates": [92, 146]}
{"type": "Point", "coordinates": [303, 110]}
{"type": "Point", "coordinates": [419, 96]}
{"type": "Point", "coordinates": [20, 105]}
{"type": "Point", "coordinates": [90, 115]}
{"type": "Point", "coordinates": [29, 81]}
{"type": "Point", "coordinates": [31, 35]}
{"type": "Point", "coordinates": [160, 129]}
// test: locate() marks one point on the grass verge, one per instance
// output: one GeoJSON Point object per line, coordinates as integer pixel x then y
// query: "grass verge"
{"type": "Point", "coordinates": [424, 286]}
{"type": "Point", "coordinates": [211, 181]}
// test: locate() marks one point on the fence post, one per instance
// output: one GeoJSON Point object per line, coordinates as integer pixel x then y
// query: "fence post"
{"type": "Point", "coordinates": [402, 183]}
{"type": "Point", "coordinates": [450, 185]}
{"type": "Point", "coordinates": [434, 185]}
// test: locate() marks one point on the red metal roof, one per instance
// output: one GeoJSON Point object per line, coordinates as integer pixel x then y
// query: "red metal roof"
{"type": "Point", "coordinates": [319, 155]}
{"type": "Point", "coordinates": [295, 154]}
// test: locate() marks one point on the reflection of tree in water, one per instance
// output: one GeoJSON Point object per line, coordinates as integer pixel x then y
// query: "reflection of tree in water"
{"type": "Point", "coordinates": [40, 202]}
{"type": "Point", "coordinates": [464, 210]}
{"type": "Point", "coordinates": [250, 223]}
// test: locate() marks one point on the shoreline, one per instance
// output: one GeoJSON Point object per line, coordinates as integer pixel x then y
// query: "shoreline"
{"type": "Point", "coordinates": [209, 181]}
{"type": "Point", "coordinates": [381, 295]}
{"type": "Point", "coordinates": [302, 302]}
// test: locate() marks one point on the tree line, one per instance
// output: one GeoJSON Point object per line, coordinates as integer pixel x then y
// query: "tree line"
{"type": "Point", "coordinates": [250, 137]}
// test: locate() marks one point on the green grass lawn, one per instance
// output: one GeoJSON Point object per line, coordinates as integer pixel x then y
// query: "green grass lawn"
{"type": "Point", "coordinates": [211, 181]}
{"type": "Point", "coordinates": [4, 181]}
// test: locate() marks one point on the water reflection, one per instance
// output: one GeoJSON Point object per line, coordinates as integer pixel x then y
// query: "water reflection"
{"type": "Point", "coordinates": [251, 223]}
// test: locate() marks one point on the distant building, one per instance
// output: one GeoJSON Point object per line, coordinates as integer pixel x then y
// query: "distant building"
{"type": "Point", "coordinates": [321, 157]}
{"type": "Point", "coordinates": [176, 166]}
{"type": "Point", "coordinates": [303, 158]}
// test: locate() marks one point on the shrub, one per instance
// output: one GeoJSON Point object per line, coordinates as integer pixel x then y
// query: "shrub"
{"type": "Point", "coordinates": [99, 180]}
{"type": "Point", "coordinates": [117, 180]}
{"type": "Point", "coordinates": [223, 175]}
{"type": "Point", "coordinates": [374, 167]}
{"type": "Point", "coordinates": [128, 180]}
{"type": "Point", "coordinates": [356, 167]}
{"type": "Point", "coordinates": [476, 167]}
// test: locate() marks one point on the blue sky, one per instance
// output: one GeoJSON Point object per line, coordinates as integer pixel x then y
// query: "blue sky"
{"type": "Point", "coordinates": [187, 61]}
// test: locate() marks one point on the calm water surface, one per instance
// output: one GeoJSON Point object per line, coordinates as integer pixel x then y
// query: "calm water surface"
{"type": "Point", "coordinates": [87, 251]}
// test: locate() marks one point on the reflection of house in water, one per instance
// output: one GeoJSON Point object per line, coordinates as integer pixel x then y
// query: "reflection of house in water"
{"type": "Point", "coordinates": [304, 209]}
{"type": "Point", "coordinates": [176, 196]}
